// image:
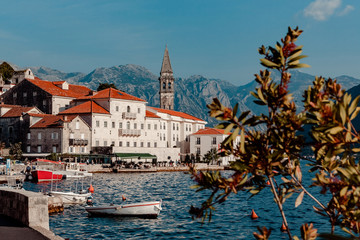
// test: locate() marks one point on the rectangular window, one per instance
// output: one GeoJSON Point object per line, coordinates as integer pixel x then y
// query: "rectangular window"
{"type": "Point", "coordinates": [77, 124]}
{"type": "Point", "coordinates": [128, 144]}
{"type": "Point", "coordinates": [120, 125]}
{"type": "Point", "coordinates": [82, 135]}
{"type": "Point", "coordinates": [113, 124]}
{"type": "Point", "coordinates": [105, 143]}
{"type": "Point", "coordinates": [164, 127]}
{"type": "Point", "coordinates": [112, 143]}
{"type": "Point", "coordinates": [142, 144]}
{"type": "Point", "coordinates": [97, 143]}
{"type": "Point", "coordinates": [177, 126]}
{"type": "Point", "coordinates": [197, 140]}
{"type": "Point", "coordinates": [71, 136]}
{"type": "Point", "coordinates": [39, 148]}
{"type": "Point", "coordinates": [39, 136]}
{"type": "Point", "coordinates": [173, 137]}
{"type": "Point", "coordinates": [135, 125]}
{"type": "Point", "coordinates": [34, 94]}
{"type": "Point", "coordinates": [28, 136]}
{"type": "Point", "coordinates": [142, 126]}
{"type": "Point", "coordinates": [135, 144]}
{"type": "Point", "coordinates": [148, 144]}
{"type": "Point", "coordinates": [25, 94]}
{"type": "Point", "coordinates": [28, 148]}
{"type": "Point", "coordinates": [117, 108]}
{"type": "Point", "coordinates": [155, 144]}
{"type": "Point", "coordinates": [71, 149]}
{"type": "Point", "coordinates": [97, 123]}
{"type": "Point", "coordinates": [105, 124]}
{"type": "Point", "coordinates": [138, 110]}
{"type": "Point", "coordinates": [82, 149]}
{"type": "Point", "coordinates": [54, 149]}
{"type": "Point", "coordinates": [120, 144]}
{"type": "Point", "coordinates": [155, 126]}
{"type": "Point", "coordinates": [173, 126]}
{"type": "Point", "coordinates": [198, 151]}
{"type": "Point", "coordinates": [214, 140]}
{"type": "Point", "coordinates": [149, 126]}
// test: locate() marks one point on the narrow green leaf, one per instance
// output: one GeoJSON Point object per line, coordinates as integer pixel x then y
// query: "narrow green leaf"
{"type": "Point", "coordinates": [242, 142]}
{"type": "Point", "coordinates": [300, 65]}
{"type": "Point", "coordinates": [229, 128]}
{"type": "Point", "coordinates": [354, 104]}
{"type": "Point", "coordinates": [268, 63]}
{"type": "Point", "coordinates": [299, 199]}
{"type": "Point", "coordinates": [236, 107]}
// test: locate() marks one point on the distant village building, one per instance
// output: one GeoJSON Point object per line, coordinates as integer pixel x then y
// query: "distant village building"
{"type": "Point", "coordinates": [166, 83]}
{"type": "Point", "coordinates": [14, 123]}
{"type": "Point", "coordinates": [49, 97]}
{"type": "Point", "coordinates": [9, 77]}
{"type": "Point", "coordinates": [202, 141]}
{"type": "Point", "coordinates": [57, 117]}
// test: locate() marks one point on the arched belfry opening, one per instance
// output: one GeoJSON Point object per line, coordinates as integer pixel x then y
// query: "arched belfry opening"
{"type": "Point", "coordinates": [166, 80]}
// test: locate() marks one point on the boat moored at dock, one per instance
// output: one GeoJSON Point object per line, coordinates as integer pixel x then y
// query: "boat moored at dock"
{"type": "Point", "coordinates": [141, 209]}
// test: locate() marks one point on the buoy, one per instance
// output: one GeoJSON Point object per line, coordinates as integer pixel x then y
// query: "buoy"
{"type": "Point", "coordinates": [268, 182]}
{"type": "Point", "coordinates": [123, 198]}
{"type": "Point", "coordinates": [253, 215]}
{"type": "Point", "coordinates": [283, 227]}
{"type": "Point", "coordinates": [91, 189]}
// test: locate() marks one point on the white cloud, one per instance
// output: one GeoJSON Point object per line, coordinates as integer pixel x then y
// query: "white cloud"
{"type": "Point", "coordinates": [346, 10]}
{"type": "Point", "coordinates": [322, 9]}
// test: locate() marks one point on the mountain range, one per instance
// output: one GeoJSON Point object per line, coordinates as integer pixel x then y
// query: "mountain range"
{"type": "Point", "coordinates": [192, 94]}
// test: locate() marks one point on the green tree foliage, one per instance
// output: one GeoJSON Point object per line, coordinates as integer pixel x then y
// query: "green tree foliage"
{"type": "Point", "coordinates": [15, 151]}
{"type": "Point", "coordinates": [273, 156]}
{"type": "Point", "coordinates": [6, 71]}
{"type": "Point", "coordinates": [103, 86]}
{"type": "Point", "coordinates": [211, 156]}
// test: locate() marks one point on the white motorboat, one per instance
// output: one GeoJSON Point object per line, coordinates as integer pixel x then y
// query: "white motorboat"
{"type": "Point", "coordinates": [141, 209]}
{"type": "Point", "coordinates": [71, 197]}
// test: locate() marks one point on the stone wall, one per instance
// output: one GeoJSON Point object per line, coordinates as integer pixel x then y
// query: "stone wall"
{"type": "Point", "coordinates": [27, 207]}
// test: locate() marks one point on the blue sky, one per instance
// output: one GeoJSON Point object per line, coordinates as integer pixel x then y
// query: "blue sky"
{"type": "Point", "coordinates": [216, 39]}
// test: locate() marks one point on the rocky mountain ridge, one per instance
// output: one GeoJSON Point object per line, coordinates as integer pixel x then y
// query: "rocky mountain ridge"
{"type": "Point", "coordinates": [192, 94]}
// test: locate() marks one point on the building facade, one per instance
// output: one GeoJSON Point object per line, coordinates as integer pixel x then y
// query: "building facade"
{"type": "Point", "coordinates": [202, 141]}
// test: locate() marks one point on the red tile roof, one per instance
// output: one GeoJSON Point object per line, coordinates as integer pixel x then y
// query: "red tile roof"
{"type": "Point", "coordinates": [38, 114]}
{"type": "Point", "coordinates": [17, 111]}
{"type": "Point", "coordinates": [151, 114]}
{"type": "Point", "coordinates": [113, 93]}
{"type": "Point", "coordinates": [8, 105]}
{"type": "Point", "coordinates": [210, 131]}
{"type": "Point", "coordinates": [177, 114]}
{"type": "Point", "coordinates": [53, 121]}
{"type": "Point", "coordinates": [74, 91]}
{"type": "Point", "coordinates": [86, 107]}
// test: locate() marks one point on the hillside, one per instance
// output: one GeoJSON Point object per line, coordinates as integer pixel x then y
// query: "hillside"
{"type": "Point", "coordinates": [191, 94]}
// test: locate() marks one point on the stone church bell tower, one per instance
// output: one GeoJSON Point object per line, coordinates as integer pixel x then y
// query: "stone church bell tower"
{"type": "Point", "coordinates": [166, 83]}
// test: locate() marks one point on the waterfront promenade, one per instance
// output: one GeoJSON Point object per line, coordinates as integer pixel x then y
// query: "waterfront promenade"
{"type": "Point", "coordinates": [11, 229]}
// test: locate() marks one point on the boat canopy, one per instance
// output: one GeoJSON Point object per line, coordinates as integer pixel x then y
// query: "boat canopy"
{"type": "Point", "coordinates": [135, 155]}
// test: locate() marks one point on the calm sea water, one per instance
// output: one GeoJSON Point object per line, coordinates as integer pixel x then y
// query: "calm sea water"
{"type": "Point", "coordinates": [230, 221]}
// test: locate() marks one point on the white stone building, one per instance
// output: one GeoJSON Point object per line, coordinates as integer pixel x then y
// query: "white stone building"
{"type": "Point", "coordinates": [202, 141]}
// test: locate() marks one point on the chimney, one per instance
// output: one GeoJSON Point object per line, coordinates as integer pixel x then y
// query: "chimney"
{"type": "Point", "coordinates": [65, 118]}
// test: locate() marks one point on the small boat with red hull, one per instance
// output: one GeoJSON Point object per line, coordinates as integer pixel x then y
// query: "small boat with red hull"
{"type": "Point", "coordinates": [46, 175]}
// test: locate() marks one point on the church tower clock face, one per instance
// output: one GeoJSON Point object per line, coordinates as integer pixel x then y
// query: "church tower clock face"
{"type": "Point", "coordinates": [166, 80]}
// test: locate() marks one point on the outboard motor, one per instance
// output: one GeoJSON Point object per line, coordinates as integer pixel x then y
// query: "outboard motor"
{"type": "Point", "coordinates": [89, 201]}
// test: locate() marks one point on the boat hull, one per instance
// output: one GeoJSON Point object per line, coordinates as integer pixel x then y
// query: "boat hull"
{"type": "Point", "coordinates": [46, 175]}
{"type": "Point", "coordinates": [71, 197]}
{"type": "Point", "coordinates": [142, 210]}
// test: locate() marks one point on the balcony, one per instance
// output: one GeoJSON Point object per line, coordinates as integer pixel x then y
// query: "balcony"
{"type": "Point", "coordinates": [129, 132]}
{"type": "Point", "coordinates": [128, 115]}
{"type": "Point", "coordinates": [81, 142]}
